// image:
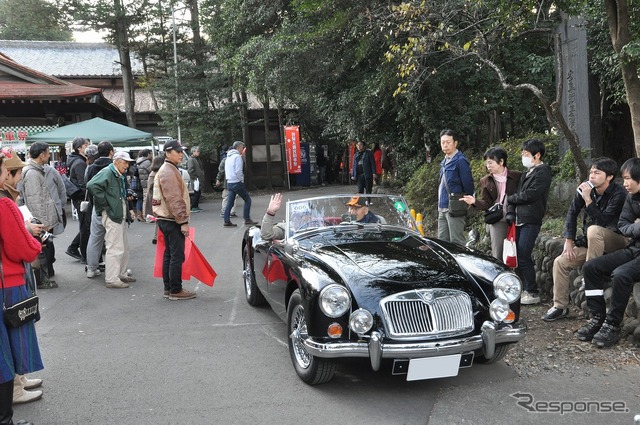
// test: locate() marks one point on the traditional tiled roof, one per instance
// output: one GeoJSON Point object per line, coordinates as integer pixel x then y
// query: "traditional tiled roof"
{"type": "Point", "coordinates": [21, 82]}
{"type": "Point", "coordinates": [66, 59]}
{"type": "Point", "coordinates": [144, 101]}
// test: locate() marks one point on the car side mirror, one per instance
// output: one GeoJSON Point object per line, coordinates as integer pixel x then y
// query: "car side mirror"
{"type": "Point", "coordinates": [291, 247]}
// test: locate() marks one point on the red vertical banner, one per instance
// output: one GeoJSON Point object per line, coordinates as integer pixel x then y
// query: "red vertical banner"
{"type": "Point", "coordinates": [352, 153]}
{"type": "Point", "coordinates": [292, 147]}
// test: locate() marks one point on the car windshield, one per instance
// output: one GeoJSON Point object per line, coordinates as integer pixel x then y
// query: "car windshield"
{"type": "Point", "coordinates": [341, 210]}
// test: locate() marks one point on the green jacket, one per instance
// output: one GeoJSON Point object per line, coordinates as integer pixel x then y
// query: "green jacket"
{"type": "Point", "coordinates": [108, 189]}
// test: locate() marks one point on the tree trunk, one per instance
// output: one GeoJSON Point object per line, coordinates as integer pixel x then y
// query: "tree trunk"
{"type": "Point", "coordinates": [618, 20]}
{"type": "Point", "coordinates": [198, 51]}
{"type": "Point", "coordinates": [122, 43]}
{"type": "Point", "coordinates": [281, 143]}
{"type": "Point", "coordinates": [244, 119]}
{"type": "Point", "coordinates": [267, 142]}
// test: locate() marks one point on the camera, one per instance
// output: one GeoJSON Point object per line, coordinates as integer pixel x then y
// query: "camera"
{"type": "Point", "coordinates": [580, 190]}
{"type": "Point", "coordinates": [44, 235]}
{"type": "Point", "coordinates": [132, 194]}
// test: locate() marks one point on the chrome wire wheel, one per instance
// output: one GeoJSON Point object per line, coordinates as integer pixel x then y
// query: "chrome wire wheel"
{"type": "Point", "coordinates": [248, 278]}
{"type": "Point", "coordinates": [298, 335]}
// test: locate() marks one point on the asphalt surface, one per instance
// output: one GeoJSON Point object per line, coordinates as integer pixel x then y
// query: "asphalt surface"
{"type": "Point", "coordinates": [120, 356]}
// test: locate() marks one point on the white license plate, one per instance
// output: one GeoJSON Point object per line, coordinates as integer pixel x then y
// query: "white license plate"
{"type": "Point", "coordinates": [433, 367]}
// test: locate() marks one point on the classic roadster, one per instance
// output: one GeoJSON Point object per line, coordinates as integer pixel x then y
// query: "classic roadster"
{"type": "Point", "coordinates": [353, 277]}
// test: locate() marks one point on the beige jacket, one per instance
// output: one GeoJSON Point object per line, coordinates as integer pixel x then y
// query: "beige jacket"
{"type": "Point", "coordinates": [170, 195]}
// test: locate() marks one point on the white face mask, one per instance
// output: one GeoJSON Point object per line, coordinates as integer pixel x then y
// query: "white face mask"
{"type": "Point", "coordinates": [527, 161]}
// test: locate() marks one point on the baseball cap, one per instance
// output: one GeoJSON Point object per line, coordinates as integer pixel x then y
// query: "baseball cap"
{"type": "Point", "coordinates": [122, 155]}
{"type": "Point", "coordinates": [173, 145]}
{"type": "Point", "coordinates": [355, 202]}
{"type": "Point", "coordinates": [14, 162]}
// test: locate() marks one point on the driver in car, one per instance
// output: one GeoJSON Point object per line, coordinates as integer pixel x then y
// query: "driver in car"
{"type": "Point", "coordinates": [359, 209]}
{"type": "Point", "coordinates": [270, 229]}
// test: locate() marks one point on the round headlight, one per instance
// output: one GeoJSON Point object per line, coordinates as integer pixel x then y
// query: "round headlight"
{"type": "Point", "coordinates": [507, 287]}
{"type": "Point", "coordinates": [335, 300]}
{"type": "Point", "coordinates": [360, 321]}
{"type": "Point", "coordinates": [498, 310]}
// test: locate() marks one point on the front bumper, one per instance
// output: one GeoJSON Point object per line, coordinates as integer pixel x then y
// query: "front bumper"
{"type": "Point", "coordinates": [377, 350]}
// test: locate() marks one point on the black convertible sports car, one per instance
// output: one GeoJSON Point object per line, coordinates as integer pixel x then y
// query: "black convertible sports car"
{"type": "Point", "coordinates": [352, 277]}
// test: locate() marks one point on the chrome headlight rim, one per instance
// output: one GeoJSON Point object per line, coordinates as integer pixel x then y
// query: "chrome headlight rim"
{"type": "Point", "coordinates": [338, 309]}
{"type": "Point", "coordinates": [361, 321]}
{"type": "Point", "coordinates": [507, 294]}
{"type": "Point", "coordinates": [499, 310]}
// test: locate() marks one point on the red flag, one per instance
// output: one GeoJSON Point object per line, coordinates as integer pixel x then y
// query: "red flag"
{"type": "Point", "coordinates": [195, 264]}
{"type": "Point", "coordinates": [274, 270]}
{"type": "Point", "coordinates": [198, 266]}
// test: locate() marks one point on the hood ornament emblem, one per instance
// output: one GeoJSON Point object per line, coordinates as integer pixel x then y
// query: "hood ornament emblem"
{"type": "Point", "coordinates": [426, 296]}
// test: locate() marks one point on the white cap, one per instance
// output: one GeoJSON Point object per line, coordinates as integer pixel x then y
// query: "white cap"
{"type": "Point", "coordinates": [122, 155]}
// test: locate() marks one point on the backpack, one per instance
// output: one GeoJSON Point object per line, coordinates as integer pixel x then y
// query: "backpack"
{"type": "Point", "coordinates": [73, 191]}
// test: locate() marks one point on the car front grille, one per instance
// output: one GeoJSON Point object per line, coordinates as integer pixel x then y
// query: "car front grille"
{"type": "Point", "coordinates": [428, 313]}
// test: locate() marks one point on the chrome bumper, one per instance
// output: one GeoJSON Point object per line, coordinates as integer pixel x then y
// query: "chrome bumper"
{"type": "Point", "coordinates": [376, 350]}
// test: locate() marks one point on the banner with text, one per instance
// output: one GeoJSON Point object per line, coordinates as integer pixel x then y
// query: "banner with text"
{"type": "Point", "coordinates": [292, 147]}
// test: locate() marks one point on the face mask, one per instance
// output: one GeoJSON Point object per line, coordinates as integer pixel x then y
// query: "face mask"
{"type": "Point", "coordinates": [527, 161]}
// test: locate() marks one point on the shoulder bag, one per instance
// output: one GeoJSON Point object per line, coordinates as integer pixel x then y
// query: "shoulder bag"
{"type": "Point", "coordinates": [457, 208]}
{"type": "Point", "coordinates": [495, 213]}
{"type": "Point", "coordinates": [23, 312]}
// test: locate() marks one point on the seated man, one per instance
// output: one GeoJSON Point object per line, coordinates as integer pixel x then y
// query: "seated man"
{"type": "Point", "coordinates": [601, 201]}
{"type": "Point", "coordinates": [623, 267]}
{"type": "Point", "coordinates": [270, 230]}
{"type": "Point", "coordinates": [359, 209]}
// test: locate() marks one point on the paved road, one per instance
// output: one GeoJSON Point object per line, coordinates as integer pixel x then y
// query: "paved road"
{"type": "Point", "coordinates": [119, 356]}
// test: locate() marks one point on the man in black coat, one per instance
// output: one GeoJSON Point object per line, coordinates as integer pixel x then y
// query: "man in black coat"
{"type": "Point", "coordinates": [76, 166]}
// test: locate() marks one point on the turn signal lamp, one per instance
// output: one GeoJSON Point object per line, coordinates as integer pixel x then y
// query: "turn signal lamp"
{"type": "Point", "coordinates": [511, 317]}
{"type": "Point", "coordinates": [334, 330]}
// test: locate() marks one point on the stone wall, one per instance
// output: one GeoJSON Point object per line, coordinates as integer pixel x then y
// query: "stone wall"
{"type": "Point", "coordinates": [547, 249]}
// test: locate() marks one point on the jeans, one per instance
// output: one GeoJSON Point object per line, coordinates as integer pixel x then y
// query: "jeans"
{"type": "Point", "coordinates": [96, 241]}
{"type": "Point", "coordinates": [240, 190]}
{"type": "Point", "coordinates": [623, 267]}
{"type": "Point", "coordinates": [526, 235]}
{"type": "Point", "coordinates": [173, 255]}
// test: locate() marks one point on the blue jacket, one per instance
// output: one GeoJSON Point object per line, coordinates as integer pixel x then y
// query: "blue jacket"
{"type": "Point", "coordinates": [458, 177]}
{"type": "Point", "coordinates": [368, 163]}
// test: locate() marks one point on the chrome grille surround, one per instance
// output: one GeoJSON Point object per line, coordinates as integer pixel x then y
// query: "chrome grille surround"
{"type": "Point", "coordinates": [427, 314]}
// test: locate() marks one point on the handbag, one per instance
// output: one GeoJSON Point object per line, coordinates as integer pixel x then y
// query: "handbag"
{"type": "Point", "coordinates": [509, 250]}
{"type": "Point", "coordinates": [495, 213]}
{"type": "Point", "coordinates": [24, 311]}
{"type": "Point", "coordinates": [457, 208]}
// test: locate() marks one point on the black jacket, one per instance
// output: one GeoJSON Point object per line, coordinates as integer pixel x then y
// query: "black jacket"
{"type": "Point", "coordinates": [77, 165]}
{"type": "Point", "coordinates": [627, 223]}
{"type": "Point", "coordinates": [604, 213]}
{"type": "Point", "coordinates": [530, 200]}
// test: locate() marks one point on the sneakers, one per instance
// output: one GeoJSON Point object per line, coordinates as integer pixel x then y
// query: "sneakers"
{"type": "Point", "coordinates": [29, 384]}
{"type": "Point", "coordinates": [73, 253]}
{"type": "Point", "coordinates": [127, 279]}
{"type": "Point", "coordinates": [25, 396]}
{"type": "Point", "coordinates": [182, 295]}
{"type": "Point", "coordinates": [249, 222]}
{"type": "Point", "coordinates": [607, 336]}
{"type": "Point", "coordinates": [555, 313]}
{"type": "Point", "coordinates": [231, 215]}
{"type": "Point", "coordinates": [592, 327]}
{"type": "Point", "coordinates": [165, 295]}
{"type": "Point", "coordinates": [117, 284]}
{"type": "Point", "coordinates": [196, 210]}
{"type": "Point", "coordinates": [529, 298]}
{"type": "Point", "coordinates": [229, 224]}
{"type": "Point", "coordinates": [93, 273]}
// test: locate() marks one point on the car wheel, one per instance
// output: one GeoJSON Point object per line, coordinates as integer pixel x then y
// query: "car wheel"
{"type": "Point", "coordinates": [501, 351]}
{"type": "Point", "coordinates": [251, 291]}
{"type": "Point", "coordinates": [310, 369]}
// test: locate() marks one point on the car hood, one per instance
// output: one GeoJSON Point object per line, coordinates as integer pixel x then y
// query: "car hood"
{"type": "Point", "coordinates": [376, 269]}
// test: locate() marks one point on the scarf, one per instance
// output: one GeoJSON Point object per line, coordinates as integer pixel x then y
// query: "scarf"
{"type": "Point", "coordinates": [501, 183]}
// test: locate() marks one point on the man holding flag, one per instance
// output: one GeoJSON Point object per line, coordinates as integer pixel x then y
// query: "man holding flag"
{"type": "Point", "coordinates": [171, 206]}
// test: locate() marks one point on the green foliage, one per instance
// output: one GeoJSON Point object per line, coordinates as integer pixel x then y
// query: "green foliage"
{"type": "Point", "coordinates": [36, 20]}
